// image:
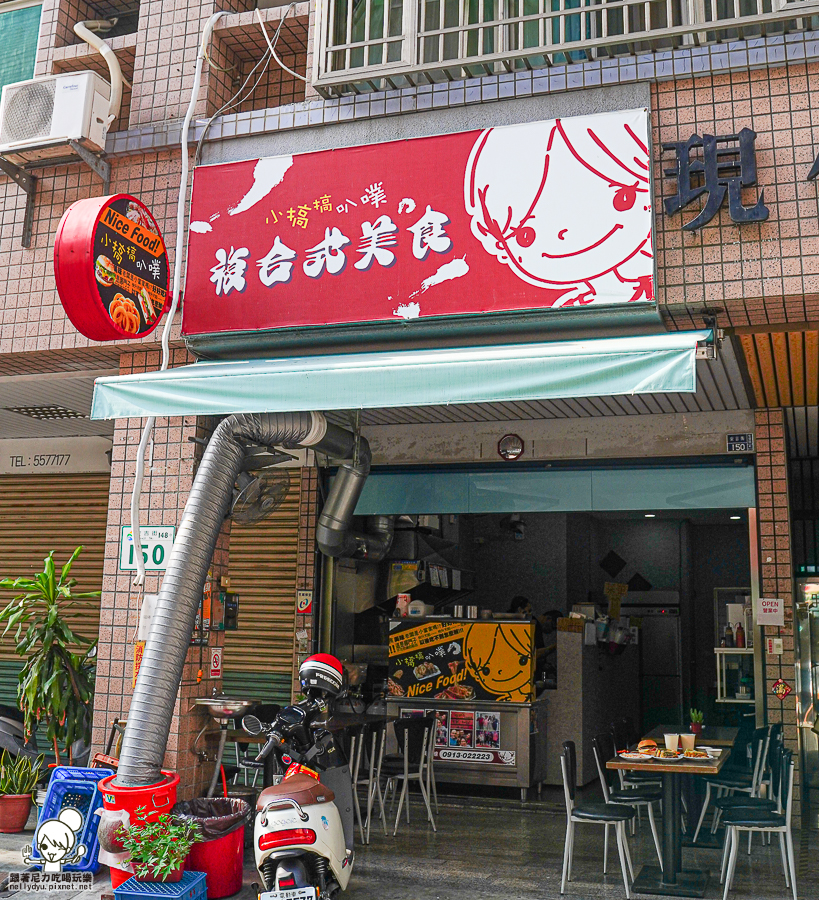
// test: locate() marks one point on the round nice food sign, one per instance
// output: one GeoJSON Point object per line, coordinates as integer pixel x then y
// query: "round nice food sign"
{"type": "Point", "coordinates": [111, 268]}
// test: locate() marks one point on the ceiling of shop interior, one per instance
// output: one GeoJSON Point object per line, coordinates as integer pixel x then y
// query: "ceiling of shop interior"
{"type": "Point", "coordinates": [695, 516]}
{"type": "Point", "coordinates": [72, 391]}
{"type": "Point", "coordinates": [802, 423]}
{"type": "Point", "coordinates": [783, 367]}
{"type": "Point", "coordinates": [720, 386]}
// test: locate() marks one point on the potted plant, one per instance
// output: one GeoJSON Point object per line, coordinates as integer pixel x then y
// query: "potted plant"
{"type": "Point", "coordinates": [696, 721]}
{"type": "Point", "coordinates": [18, 780]}
{"type": "Point", "coordinates": [157, 849]}
{"type": "Point", "coordinates": [56, 682]}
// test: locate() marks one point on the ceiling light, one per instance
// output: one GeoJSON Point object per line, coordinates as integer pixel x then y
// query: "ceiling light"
{"type": "Point", "coordinates": [650, 515]}
{"type": "Point", "coordinates": [736, 517]}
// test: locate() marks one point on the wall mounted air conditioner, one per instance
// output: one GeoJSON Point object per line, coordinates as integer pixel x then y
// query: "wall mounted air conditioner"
{"type": "Point", "coordinates": [40, 116]}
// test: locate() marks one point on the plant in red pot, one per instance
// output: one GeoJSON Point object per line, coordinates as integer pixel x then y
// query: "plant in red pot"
{"type": "Point", "coordinates": [18, 780]}
{"type": "Point", "coordinates": [696, 721]}
{"type": "Point", "coordinates": [157, 849]}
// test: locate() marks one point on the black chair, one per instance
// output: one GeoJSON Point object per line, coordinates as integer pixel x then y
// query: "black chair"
{"type": "Point", "coordinates": [637, 797]}
{"type": "Point", "coordinates": [625, 736]}
{"type": "Point", "coordinates": [415, 739]}
{"type": "Point", "coordinates": [596, 813]}
{"type": "Point", "coordinates": [626, 724]}
{"type": "Point", "coordinates": [765, 822]}
{"type": "Point", "coordinates": [736, 782]}
{"type": "Point", "coordinates": [771, 779]}
{"type": "Point", "coordinates": [774, 746]}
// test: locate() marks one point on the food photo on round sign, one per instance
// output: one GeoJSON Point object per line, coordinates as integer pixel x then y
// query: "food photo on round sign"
{"type": "Point", "coordinates": [111, 268]}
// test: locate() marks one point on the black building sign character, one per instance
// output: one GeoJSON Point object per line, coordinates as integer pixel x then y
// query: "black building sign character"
{"type": "Point", "coordinates": [715, 166]}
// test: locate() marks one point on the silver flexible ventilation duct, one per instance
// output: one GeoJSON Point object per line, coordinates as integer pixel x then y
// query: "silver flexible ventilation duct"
{"type": "Point", "coordinates": [333, 533]}
{"type": "Point", "coordinates": [151, 712]}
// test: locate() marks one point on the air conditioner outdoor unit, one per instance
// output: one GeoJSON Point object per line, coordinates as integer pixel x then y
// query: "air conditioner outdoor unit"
{"type": "Point", "coordinates": [40, 116]}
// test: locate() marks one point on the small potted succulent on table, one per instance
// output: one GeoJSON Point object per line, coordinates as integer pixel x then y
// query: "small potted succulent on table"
{"type": "Point", "coordinates": [18, 781]}
{"type": "Point", "coordinates": [696, 721]}
{"type": "Point", "coordinates": [157, 849]}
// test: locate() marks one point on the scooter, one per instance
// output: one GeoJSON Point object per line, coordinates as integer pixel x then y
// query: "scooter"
{"type": "Point", "coordinates": [13, 735]}
{"type": "Point", "coordinates": [303, 834]}
{"type": "Point", "coordinates": [13, 739]}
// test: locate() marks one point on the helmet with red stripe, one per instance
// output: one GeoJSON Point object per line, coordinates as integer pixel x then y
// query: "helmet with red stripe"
{"type": "Point", "coordinates": [323, 672]}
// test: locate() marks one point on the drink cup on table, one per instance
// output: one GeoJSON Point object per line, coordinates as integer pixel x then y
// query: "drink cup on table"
{"type": "Point", "coordinates": [688, 741]}
{"type": "Point", "coordinates": [671, 741]}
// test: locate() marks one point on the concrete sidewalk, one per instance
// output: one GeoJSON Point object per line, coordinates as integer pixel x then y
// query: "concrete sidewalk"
{"type": "Point", "coordinates": [497, 849]}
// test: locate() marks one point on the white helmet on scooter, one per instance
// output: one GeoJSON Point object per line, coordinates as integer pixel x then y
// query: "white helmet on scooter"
{"type": "Point", "coordinates": [323, 672]}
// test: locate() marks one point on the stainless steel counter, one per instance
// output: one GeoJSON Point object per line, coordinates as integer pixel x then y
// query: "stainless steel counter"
{"type": "Point", "coordinates": [480, 742]}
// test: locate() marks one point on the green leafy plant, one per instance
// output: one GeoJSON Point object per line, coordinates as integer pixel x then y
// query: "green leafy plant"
{"type": "Point", "coordinates": [696, 716]}
{"type": "Point", "coordinates": [19, 775]}
{"type": "Point", "coordinates": [157, 849]}
{"type": "Point", "coordinates": [56, 683]}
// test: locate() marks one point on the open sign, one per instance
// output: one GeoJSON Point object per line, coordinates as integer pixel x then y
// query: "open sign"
{"type": "Point", "coordinates": [770, 611]}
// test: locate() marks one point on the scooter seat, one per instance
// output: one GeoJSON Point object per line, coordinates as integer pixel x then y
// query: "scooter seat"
{"type": "Point", "coordinates": [306, 791]}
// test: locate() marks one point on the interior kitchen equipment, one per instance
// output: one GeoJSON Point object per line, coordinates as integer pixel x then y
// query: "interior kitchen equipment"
{"type": "Point", "coordinates": [660, 655]}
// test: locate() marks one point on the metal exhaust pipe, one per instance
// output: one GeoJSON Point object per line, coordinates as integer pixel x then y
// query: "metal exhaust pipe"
{"type": "Point", "coordinates": [151, 712]}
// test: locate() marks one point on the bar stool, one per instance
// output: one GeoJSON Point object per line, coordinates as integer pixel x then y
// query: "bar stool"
{"type": "Point", "coordinates": [357, 737]}
{"type": "Point", "coordinates": [377, 745]}
{"type": "Point", "coordinates": [432, 787]}
{"type": "Point", "coordinates": [413, 736]}
{"type": "Point", "coordinates": [597, 813]}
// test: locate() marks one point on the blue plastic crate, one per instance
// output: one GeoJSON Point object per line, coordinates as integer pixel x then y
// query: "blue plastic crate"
{"type": "Point", "coordinates": [75, 787]}
{"type": "Point", "coordinates": [191, 887]}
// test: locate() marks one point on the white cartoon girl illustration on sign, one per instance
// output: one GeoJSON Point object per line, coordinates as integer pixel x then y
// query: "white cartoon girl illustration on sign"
{"type": "Point", "coordinates": [566, 203]}
{"type": "Point", "coordinates": [56, 840]}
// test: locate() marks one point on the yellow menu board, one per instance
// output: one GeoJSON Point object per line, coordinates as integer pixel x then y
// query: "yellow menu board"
{"type": "Point", "coordinates": [453, 660]}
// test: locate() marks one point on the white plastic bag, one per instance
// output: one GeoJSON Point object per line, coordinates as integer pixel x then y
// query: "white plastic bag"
{"type": "Point", "coordinates": [111, 852]}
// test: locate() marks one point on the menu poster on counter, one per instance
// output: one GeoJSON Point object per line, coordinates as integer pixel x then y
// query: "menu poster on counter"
{"type": "Point", "coordinates": [447, 659]}
{"type": "Point", "coordinates": [461, 729]}
{"type": "Point", "coordinates": [441, 726]}
{"type": "Point", "coordinates": [487, 730]}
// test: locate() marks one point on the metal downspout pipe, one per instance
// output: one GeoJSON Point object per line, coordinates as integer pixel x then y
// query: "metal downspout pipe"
{"type": "Point", "coordinates": [151, 711]}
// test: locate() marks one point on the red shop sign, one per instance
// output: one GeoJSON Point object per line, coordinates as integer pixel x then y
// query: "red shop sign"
{"type": "Point", "coordinates": [536, 216]}
{"type": "Point", "coordinates": [111, 268]}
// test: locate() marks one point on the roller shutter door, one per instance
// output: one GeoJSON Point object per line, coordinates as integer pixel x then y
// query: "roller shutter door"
{"type": "Point", "coordinates": [263, 572]}
{"type": "Point", "coordinates": [54, 512]}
